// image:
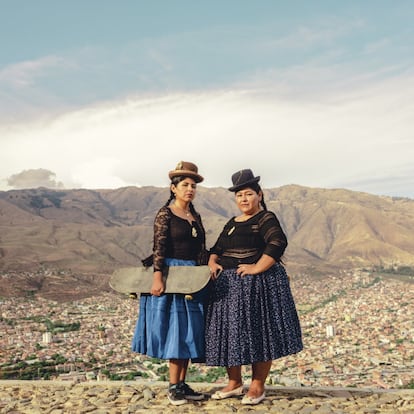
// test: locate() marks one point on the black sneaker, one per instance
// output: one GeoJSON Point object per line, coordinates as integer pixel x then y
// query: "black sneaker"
{"type": "Point", "coordinates": [176, 395]}
{"type": "Point", "coordinates": [189, 393]}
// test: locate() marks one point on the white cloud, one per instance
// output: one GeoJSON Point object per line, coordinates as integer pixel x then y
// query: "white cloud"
{"type": "Point", "coordinates": [22, 74]}
{"type": "Point", "coordinates": [34, 178]}
{"type": "Point", "coordinates": [97, 173]}
{"type": "Point", "coordinates": [323, 139]}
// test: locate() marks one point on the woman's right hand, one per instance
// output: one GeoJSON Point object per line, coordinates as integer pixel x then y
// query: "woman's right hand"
{"type": "Point", "coordinates": [158, 287]}
{"type": "Point", "coordinates": [215, 268]}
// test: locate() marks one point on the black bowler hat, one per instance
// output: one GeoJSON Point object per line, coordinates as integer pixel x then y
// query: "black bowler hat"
{"type": "Point", "coordinates": [242, 179]}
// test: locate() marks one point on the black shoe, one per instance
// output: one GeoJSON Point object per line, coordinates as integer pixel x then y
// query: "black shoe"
{"type": "Point", "coordinates": [176, 395]}
{"type": "Point", "coordinates": [189, 393]}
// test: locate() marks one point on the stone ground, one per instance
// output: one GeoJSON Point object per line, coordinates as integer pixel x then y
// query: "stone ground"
{"type": "Point", "coordinates": [127, 397]}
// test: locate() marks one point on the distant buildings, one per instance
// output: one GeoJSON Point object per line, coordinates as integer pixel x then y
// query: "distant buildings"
{"type": "Point", "coordinates": [47, 338]}
{"type": "Point", "coordinates": [330, 331]}
{"type": "Point", "coordinates": [359, 336]}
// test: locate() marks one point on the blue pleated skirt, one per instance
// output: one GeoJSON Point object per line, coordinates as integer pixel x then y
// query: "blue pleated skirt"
{"type": "Point", "coordinates": [251, 319]}
{"type": "Point", "coordinates": [170, 326]}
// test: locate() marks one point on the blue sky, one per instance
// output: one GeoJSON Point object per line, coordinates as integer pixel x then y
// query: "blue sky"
{"type": "Point", "coordinates": [104, 94]}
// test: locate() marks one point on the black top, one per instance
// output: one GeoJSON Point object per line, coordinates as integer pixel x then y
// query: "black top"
{"type": "Point", "coordinates": [175, 237]}
{"type": "Point", "coordinates": [245, 242]}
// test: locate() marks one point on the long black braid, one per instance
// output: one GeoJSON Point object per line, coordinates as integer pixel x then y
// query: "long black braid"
{"type": "Point", "coordinates": [172, 196]}
{"type": "Point", "coordinates": [257, 189]}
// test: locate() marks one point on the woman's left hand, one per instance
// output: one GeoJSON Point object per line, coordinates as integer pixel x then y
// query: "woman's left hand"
{"type": "Point", "coordinates": [246, 269]}
{"type": "Point", "coordinates": [264, 263]}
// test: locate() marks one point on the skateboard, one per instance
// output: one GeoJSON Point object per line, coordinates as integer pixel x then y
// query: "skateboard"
{"type": "Point", "coordinates": [177, 279]}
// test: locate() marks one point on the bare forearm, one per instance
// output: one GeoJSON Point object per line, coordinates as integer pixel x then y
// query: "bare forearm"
{"type": "Point", "coordinates": [264, 263]}
{"type": "Point", "coordinates": [157, 284]}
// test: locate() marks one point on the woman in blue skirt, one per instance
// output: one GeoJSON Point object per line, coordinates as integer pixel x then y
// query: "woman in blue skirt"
{"type": "Point", "coordinates": [252, 317]}
{"type": "Point", "coordinates": [169, 326]}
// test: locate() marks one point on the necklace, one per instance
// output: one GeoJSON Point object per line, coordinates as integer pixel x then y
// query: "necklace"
{"type": "Point", "coordinates": [186, 212]}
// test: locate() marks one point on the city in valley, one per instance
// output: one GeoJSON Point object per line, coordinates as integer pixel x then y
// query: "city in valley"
{"type": "Point", "coordinates": [357, 329]}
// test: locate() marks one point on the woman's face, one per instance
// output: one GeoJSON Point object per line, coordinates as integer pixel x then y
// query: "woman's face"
{"type": "Point", "coordinates": [248, 201]}
{"type": "Point", "coordinates": [185, 190]}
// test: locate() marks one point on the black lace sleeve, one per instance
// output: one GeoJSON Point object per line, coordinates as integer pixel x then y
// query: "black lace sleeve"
{"type": "Point", "coordinates": [161, 228]}
{"type": "Point", "coordinates": [273, 235]}
{"type": "Point", "coordinates": [204, 254]}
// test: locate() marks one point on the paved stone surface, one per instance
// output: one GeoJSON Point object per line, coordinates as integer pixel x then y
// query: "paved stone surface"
{"type": "Point", "coordinates": [127, 397]}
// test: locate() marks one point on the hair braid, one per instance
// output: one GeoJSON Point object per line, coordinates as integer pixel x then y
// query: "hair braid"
{"type": "Point", "coordinates": [172, 196]}
{"type": "Point", "coordinates": [258, 189]}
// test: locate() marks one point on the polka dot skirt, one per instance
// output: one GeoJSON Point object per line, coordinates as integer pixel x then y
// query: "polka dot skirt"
{"type": "Point", "coordinates": [251, 319]}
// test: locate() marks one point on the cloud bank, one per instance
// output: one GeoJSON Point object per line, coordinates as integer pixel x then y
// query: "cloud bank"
{"type": "Point", "coordinates": [356, 134]}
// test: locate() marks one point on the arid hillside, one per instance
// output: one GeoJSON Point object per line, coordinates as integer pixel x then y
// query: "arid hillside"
{"type": "Point", "coordinates": [93, 232]}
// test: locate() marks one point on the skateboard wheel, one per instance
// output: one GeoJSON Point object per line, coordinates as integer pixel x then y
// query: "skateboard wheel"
{"type": "Point", "coordinates": [188, 297]}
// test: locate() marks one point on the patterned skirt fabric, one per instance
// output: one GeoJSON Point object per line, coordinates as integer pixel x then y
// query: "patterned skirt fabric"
{"type": "Point", "coordinates": [251, 319]}
{"type": "Point", "coordinates": [170, 326]}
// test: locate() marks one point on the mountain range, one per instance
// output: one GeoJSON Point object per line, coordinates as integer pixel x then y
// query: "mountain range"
{"type": "Point", "coordinates": [93, 232]}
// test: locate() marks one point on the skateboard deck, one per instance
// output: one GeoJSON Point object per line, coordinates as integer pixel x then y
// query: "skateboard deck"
{"type": "Point", "coordinates": [177, 279]}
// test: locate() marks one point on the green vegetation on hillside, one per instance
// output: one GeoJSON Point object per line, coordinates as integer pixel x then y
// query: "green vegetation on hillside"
{"type": "Point", "coordinates": [55, 327]}
{"type": "Point", "coordinates": [395, 270]}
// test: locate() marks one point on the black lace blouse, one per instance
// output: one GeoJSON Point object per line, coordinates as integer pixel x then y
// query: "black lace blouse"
{"type": "Point", "coordinates": [176, 238]}
{"type": "Point", "coordinates": [245, 242]}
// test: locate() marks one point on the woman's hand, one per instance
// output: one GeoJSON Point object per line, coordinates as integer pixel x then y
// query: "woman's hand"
{"type": "Point", "coordinates": [158, 287]}
{"type": "Point", "coordinates": [264, 263]}
{"type": "Point", "coordinates": [247, 269]}
{"type": "Point", "coordinates": [215, 268]}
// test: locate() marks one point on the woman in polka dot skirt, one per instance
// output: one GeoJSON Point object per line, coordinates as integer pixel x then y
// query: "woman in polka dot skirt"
{"type": "Point", "coordinates": [251, 318]}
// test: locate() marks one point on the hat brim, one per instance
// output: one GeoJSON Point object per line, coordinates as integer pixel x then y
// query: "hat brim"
{"type": "Point", "coordinates": [246, 184]}
{"type": "Point", "coordinates": [186, 173]}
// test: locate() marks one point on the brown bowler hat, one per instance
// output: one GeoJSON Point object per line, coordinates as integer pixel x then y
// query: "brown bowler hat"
{"type": "Point", "coordinates": [242, 179]}
{"type": "Point", "coordinates": [186, 169]}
